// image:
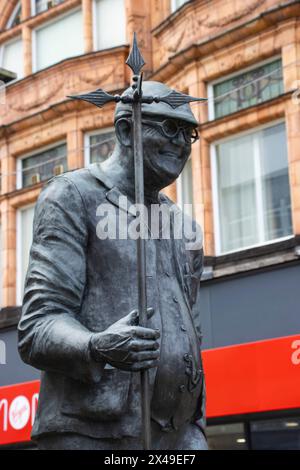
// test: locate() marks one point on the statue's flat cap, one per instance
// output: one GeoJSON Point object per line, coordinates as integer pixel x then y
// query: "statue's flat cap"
{"type": "Point", "coordinates": [151, 88]}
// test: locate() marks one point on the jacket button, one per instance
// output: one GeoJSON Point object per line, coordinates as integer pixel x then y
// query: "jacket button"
{"type": "Point", "coordinates": [183, 328]}
{"type": "Point", "coordinates": [167, 274]}
{"type": "Point", "coordinates": [175, 300]}
{"type": "Point", "coordinates": [181, 388]}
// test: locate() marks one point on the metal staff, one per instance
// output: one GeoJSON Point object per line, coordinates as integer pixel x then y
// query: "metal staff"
{"type": "Point", "coordinates": [99, 98]}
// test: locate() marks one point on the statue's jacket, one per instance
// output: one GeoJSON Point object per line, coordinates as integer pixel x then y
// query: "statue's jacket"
{"type": "Point", "coordinates": [77, 284]}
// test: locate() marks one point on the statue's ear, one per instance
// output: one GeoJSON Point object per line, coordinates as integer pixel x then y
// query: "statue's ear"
{"type": "Point", "coordinates": [123, 131]}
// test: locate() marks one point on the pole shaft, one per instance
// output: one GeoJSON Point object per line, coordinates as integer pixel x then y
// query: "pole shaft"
{"type": "Point", "coordinates": [141, 263]}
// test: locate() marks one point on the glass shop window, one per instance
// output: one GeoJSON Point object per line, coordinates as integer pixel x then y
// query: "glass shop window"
{"type": "Point", "coordinates": [109, 24]}
{"type": "Point", "coordinates": [227, 437]}
{"type": "Point", "coordinates": [175, 4]}
{"type": "Point", "coordinates": [11, 56]}
{"type": "Point", "coordinates": [58, 40]}
{"type": "Point", "coordinates": [252, 202]}
{"type": "Point", "coordinates": [42, 166]}
{"type": "Point", "coordinates": [276, 434]}
{"type": "Point", "coordinates": [246, 89]}
{"type": "Point", "coordinates": [15, 17]}
{"type": "Point", "coordinates": [184, 186]}
{"type": "Point", "coordinates": [38, 6]}
{"type": "Point", "coordinates": [99, 146]}
{"type": "Point", "coordinates": [24, 241]}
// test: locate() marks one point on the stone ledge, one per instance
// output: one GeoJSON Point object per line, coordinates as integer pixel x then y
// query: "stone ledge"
{"type": "Point", "coordinates": [256, 258]}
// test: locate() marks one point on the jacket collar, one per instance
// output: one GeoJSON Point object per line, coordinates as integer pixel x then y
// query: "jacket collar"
{"type": "Point", "coordinates": [115, 196]}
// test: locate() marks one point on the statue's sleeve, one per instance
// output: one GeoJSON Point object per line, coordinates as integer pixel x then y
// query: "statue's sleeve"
{"type": "Point", "coordinates": [51, 337]}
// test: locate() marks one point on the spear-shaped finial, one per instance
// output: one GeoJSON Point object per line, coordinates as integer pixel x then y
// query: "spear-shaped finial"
{"type": "Point", "coordinates": [135, 59]}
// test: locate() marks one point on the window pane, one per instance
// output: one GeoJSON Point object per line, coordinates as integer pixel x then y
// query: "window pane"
{"type": "Point", "coordinates": [248, 89]}
{"type": "Point", "coordinates": [44, 165]}
{"type": "Point", "coordinates": [59, 40]}
{"type": "Point", "coordinates": [26, 216]}
{"type": "Point", "coordinates": [236, 192]}
{"type": "Point", "coordinates": [43, 5]}
{"type": "Point", "coordinates": [276, 434]}
{"type": "Point", "coordinates": [15, 18]}
{"type": "Point", "coordinates": [253, 189]}
{"type": "Point", "coordinates": [110, 23]}
{"type": "Point", "coordinates": [101, 146]}
{"type": "Point", "coordinates": [177, 4]}
{"type": "Point", "coordinates": [13, 57]}
{"type": "Point", "coordinates": [226, 437]}
{"type": "Point", "coordinates": [275, 183]}
{"type": "Point", "coordinates": [187, 188]}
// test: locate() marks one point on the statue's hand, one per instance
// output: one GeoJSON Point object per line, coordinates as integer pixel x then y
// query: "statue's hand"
{"type": "Point", "coordinates": [127, 346]}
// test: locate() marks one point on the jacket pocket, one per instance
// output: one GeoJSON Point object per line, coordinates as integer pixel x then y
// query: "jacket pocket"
{"type": "Point", "coordinates": [106, 400]}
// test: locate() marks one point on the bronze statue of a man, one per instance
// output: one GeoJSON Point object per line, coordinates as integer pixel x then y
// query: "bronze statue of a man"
{"type": "Point", "coordinates": [79, 321]}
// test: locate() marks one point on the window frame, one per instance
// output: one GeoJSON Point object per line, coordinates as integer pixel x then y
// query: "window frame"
{"type": "Point", "coordinates": [179, 187]}
{"type": "Point", "coordinates": [211, 84]}
{"type": "Point", "coordinates": [19, 287]}
{"type": "Point", "coordinates": [19, 159]}
{"type": "Point", "coordinates": [87, 148]}
{"type": "Point", "coordinates": [13, 15]}
{"type": "Point", "coordinates": [33, 8]}
{"type": "Point", "coordinates": [2, 47]}
{"type": "Point", "coordinates": [42, 26]}
{"type": "Point", "coordinates": [215, 192]}
{"type": "Point", "coordinates": [94, 28]}
{"type": "Point", "coordinates": [174, 7]}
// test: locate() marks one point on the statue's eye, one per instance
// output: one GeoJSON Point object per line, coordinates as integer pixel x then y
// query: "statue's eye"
{"type": "Point", "coordinates": [170, 127]}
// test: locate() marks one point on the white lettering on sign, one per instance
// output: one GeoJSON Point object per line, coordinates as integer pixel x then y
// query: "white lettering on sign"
{"type": "Point", "coordinates": [2, 352]}
{"type": "Point", "coordinates": [19, 412]}
{"type": "Point", "coordinates": [4, 407]}
{"type": "Point", "coordinates": [296, 354]}
{"type": "Point", "coordinates": [34, 403]}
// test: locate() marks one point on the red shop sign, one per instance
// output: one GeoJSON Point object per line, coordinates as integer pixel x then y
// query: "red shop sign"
{"type": "Point", "coordinates": [18, 404]}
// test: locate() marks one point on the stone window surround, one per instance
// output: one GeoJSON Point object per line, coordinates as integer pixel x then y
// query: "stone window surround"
{"type": "Point", "coordinates": [210, 85]}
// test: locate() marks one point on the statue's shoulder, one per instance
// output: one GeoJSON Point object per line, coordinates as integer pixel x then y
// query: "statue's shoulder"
{"type": "Point", "coordinates": [85, 180]}
{"type": "Point", "coordinates": [89, 177]}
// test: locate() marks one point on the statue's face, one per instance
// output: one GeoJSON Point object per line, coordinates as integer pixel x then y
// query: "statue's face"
{"type": "Point", "coordinates": [164, 156]}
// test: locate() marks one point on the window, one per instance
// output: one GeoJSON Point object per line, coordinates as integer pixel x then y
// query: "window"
{"type": "Point", "coordinates": [175, 4]}
{"type": "Point", "coordinates": [58, 40]}
{"type": "Point", "coordinates": [251, 189]}
{"type": "Point", "coordinates": [246, 89]}
{"type": "Point", "coordinates": [12, 57]}
{"type": "Point", "coordinates": [267, 434]}
{"type": "Point", "coordinates": [24, 240]}
{"type": "Point", "coordinates": [99, 146]}
{"type": "Point", "coordinates": [38, 6]}
{"type": "Point", "coordinates": [185, 188]}
{"type": "Point", "coordinates": [227, 437]}
{"type": "Point", "coordinates": [42, 166]}
{"type": "Point", "coordinates": [15, 18]}
{"type": "Point", "coordinates": [276, 434]}
{"type": "Point", "coordinates": [109, 23]}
